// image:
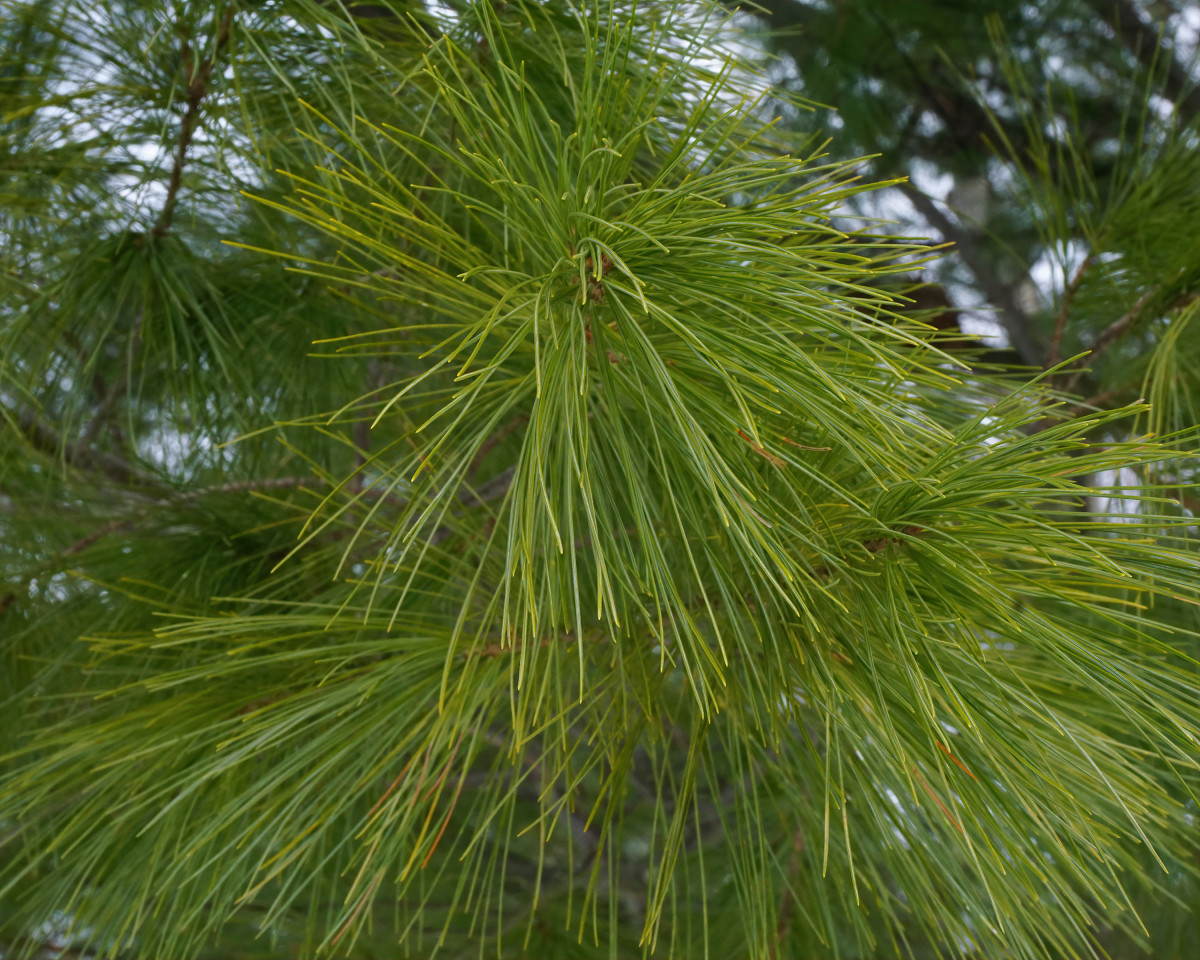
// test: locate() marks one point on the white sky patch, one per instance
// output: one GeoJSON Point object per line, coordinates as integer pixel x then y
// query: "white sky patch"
{"type": "Point", "coordinates": [1053, 271]}
{"type": "Point", "coordinates": [929, 180]}
{"type": "Point", "coordinates": [1187, 34]}
{"type": "Point", "coordinates": [1117, 508]}
{"type": "Point", "coordinates": [977, 317]}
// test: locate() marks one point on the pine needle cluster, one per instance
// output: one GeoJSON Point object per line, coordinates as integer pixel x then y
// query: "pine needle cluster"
{"type": "Point", "coordinates": [471, 492]}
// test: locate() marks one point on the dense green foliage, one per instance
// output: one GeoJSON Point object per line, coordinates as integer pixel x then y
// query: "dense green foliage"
{"type": "Point", "coordinates": [468, 486]}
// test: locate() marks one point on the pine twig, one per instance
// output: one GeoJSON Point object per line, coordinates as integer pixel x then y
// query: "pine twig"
{"type": "Point", "coordinates": [45, 438]}
{"type": "Point", "coordinates": [121, 524]}
{"type": "Point", "coordinates": [1060, 319]}
{"type": "Point", "coordinates": [1126, 322]}
{"type": "Point", "coordinates": [786, 900]}
{"type": "Point", "coordinates": [1113, 332]}
{"type": "Point", "coordinates": [247, 486]}
{"type": "Point", "coordinates": [197, 87]}
{"type": "Point", "coordinates": [78, 546]}
{"type": "Point", "coordinates": [876, 545]}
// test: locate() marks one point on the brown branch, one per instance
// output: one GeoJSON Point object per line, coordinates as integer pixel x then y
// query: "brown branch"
{"type": "Point", "coordinates": [362, 451]}
{"type": "Point", "coordinates": [1119, 327]}
{"type": "Point", "coordinates": [877, 545]}
{"type": "Point", "coordinates": [104, 410]}
{"type": "Point", "coordinates": [1060, 319]}
{"type": "Point", "coordinates": [1113, 332]}
{"type": "Point", "coordinates": [1096, 400]}
{"type": "Point", "coordinates": [122, 524]}
{"type": "Point", "coordinates": [84, 542]}
{"type": "Point", "coordinates": [491, 442]}
{"type": "Point", "coordinates": [786, 898]}
{"type": "Point", "coordinates": [492, 489]}
{"type": "Point", "coordinates": [246, 486]}
{"type": "Point", "coordinates": [1001, 296]}
{"type": "Point", "coordinates": [45, 438]}
{"type": "Point", "coordinates": [78, 546]}
{"type": "Point", "coordinates": [197, 87]}
{"type": "Point", "coordinates": [1122, 325]}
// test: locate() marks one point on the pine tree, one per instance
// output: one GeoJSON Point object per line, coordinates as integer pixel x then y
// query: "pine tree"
{"type": "Point", "coordinates": [468, 486]}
